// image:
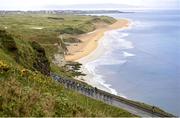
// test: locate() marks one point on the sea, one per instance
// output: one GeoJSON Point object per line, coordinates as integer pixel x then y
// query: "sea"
{"type": "Point", "coordinates": [142, 62]}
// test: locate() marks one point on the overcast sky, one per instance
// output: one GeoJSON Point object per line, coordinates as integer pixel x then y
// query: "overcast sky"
{"type": "Point", "coordinates": [41, 4]}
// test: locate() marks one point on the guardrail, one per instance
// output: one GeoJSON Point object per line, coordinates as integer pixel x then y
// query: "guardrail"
{"type": "Point", "coordinates": [106, 97]}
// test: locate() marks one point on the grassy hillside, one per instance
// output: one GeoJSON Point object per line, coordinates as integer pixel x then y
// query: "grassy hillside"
{"type": "Point", "coordinates": [29, 54]}
{"type": "Point", "coordinates": [45, 28]}
{"type": "Point", "coordinates": [32, 94]}
{"type": "Point", "coordinates": [26, 89]}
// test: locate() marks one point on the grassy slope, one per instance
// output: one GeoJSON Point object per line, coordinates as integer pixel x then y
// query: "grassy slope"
{"type": "Point", "coordinates": [29, 93]}
{"type": "Point", "coordinates": [26, 92]}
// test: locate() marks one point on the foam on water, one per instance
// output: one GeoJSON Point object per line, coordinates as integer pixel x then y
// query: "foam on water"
{"type": "Point", "coordinates": [112, 41]}
{"type": "Point", "coordinates": [152, 76]}
{"type": "Point", "coordinates": [126, 54]}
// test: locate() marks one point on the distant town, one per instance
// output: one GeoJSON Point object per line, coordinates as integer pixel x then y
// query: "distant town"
{"type": "Point", "coordinates": [63, 12]}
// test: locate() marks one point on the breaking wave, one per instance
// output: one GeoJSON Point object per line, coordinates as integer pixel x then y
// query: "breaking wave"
{"type": "Point", "coordinates": [112, 41]}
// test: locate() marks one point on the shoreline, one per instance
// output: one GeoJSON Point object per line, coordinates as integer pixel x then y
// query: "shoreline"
{"type": "Point", "coordinates": [90, 40]}
{"type": "Point", "coordinates": [91, 77]}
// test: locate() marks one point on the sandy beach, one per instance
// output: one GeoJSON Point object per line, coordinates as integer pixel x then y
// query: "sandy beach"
{"type": "Point", "coordinates": [90, 40]}
{"type": "Point", "coordinates": [90, 49]}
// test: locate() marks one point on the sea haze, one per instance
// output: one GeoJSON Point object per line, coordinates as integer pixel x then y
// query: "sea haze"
{"type": "Point", "coordinates": [143, 62]}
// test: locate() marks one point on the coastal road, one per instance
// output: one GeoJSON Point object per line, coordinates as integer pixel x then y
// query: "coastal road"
{"type": "Point", "coordinates": [108, 98]}
{"type": "Point", "coordinates": [117, 103]}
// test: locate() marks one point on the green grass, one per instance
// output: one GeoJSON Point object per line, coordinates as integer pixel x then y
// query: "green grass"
{"type": "Point", "coordinates": [29, 54]}
{"type": "Point", "coordinates": [27, 92]}
{"type": "Point", "coordinates": [33, 94]}
{"type": "Point", "coordinates": [23, 26]}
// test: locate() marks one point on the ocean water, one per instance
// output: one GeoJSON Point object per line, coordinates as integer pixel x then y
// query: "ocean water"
{"type": "Point", "coordinates": [143, 62]}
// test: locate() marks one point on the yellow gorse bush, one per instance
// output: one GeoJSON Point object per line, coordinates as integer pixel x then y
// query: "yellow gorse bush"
{"type": "Point", "coordinates": [24, 72]}
{"type": "Point", "coordinates": [38, 78]}
{"type": "Point", "coordinates": [3, 66]}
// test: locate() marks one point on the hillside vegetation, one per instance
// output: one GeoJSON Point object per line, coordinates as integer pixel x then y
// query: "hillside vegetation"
{"type": "Point", "coordinates": [28, 93]}
{"type": "Point", "coordinates": [46, 28]}
{"type": "Point", "coordinates": [25, 65]}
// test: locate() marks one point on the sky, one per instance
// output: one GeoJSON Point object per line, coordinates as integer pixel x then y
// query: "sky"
{"type": "Point", "coordinates": [42, 4]}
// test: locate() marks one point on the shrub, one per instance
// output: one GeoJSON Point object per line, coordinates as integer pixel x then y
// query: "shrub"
{"type": "Point", "coordinates": [71, 40]}
{"type": "Point", "coordinates": [3, 66]}
{"type": "Point", "coordinates": [41, 62]}
{"type": "Point", "coordinates": [70, 30]}
{"type": "Point", "coordinates": [7, 41]}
